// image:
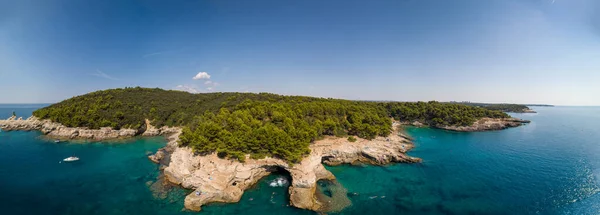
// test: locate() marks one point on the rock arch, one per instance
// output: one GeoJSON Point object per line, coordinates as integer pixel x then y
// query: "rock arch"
{"type": "Point", "coordinates": [221, 180]}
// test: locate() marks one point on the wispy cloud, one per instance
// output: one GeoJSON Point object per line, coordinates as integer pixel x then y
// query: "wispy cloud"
{"type": "Point", "coordinates": [103, 75]}
{"type": "Point", "coordinates": [201, 75]}
{"type": "Point", "coordinates": [187, 88]}
{"type": "Point", "coordinates": [211, 83]}
{"type": "Point", "coordinates": [164, 52]}
{"type": "Point", "coordinates": [153, 54]}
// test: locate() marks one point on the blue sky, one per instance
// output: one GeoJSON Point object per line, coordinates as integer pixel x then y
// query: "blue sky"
{"type": "Point", "coordinates": [519, 51]}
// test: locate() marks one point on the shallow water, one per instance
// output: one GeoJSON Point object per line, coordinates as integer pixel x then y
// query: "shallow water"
{"type": "Point", "coordinates": [551, 166]}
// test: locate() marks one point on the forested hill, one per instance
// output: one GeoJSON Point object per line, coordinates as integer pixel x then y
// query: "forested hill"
{"type": "Point", "coordinates": [514, 108]}
{"type": "Point", "coordinates": [235, 124]}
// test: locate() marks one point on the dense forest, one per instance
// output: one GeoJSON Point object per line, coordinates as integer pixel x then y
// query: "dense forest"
{"type": "Point", "coordinates": [264, 124]}
{"type": "Point", "coordinates": [514, 108]}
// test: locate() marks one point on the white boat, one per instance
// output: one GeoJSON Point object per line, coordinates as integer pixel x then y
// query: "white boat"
{"type": "Point", "coordinates": [69, 159]}
{"type": "Point", "coordinates": [57, 141]}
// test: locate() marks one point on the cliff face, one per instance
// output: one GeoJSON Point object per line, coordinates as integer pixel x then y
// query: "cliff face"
{"type": "Point", "coordinates": [59, 131]}
{"type": "Point", "coordinates": [221, 180]}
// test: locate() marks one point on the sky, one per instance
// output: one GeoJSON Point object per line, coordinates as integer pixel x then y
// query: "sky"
{"type": "Point", "coordinates": [499, 51]}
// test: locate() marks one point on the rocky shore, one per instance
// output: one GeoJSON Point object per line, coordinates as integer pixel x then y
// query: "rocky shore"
{"type": "Point", "coordinates": [221, 180]}
{"type": "Point", "coordinates": [527, 110]}
{"type": "Point", "coordinates": [487, 124]}
{"type": "Point", "coordinates": [59, 131]}
{"type": "Point", "coordinates": [483, 124]}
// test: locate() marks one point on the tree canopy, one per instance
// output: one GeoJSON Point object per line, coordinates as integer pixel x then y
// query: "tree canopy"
{"type": "Point", "coordinates": [515, 108]}
{"type": "Point", "coordinates": [263, 124]}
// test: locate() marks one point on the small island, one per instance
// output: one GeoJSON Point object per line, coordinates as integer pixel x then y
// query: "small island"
{"type": "Point", "coordinates": [221, 144]}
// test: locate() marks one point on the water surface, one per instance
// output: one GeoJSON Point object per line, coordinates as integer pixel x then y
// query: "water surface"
{"type": "Point", "coordinates": [551, 166]}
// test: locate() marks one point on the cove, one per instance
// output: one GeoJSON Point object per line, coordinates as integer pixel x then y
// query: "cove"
{"type": "Point", "coordinates": [550, 166]}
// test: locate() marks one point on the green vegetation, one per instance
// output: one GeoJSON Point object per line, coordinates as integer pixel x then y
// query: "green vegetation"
{"type": "Point", "coordinates": [236, 124]}
{"type": "Point", "coordinates": [352, 139]}
{"type": "Point", "coordinates": [515, 108]}
{"type": "Point", "coordinates": [439, 114]}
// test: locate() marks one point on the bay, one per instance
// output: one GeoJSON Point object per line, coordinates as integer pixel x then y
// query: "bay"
{"type": "Point", "coordinates": [551, 166]}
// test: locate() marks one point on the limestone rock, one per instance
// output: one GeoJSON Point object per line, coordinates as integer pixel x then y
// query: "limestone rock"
{"type": "Point", "coordinates": [56, 130]}
{"type": "Point", "coordinates": [486, 124]}
{"type": "Point", "coordinates": [221, 180]}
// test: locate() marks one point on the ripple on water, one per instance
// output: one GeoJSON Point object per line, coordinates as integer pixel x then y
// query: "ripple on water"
{"type": "Point", "coordinates": [548, 167]}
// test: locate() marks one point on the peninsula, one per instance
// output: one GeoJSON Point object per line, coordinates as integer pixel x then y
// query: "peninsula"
{"type": "Point", "coordinates": [511, 108]}
{"type": "Point", "coordinates": [220, 144]}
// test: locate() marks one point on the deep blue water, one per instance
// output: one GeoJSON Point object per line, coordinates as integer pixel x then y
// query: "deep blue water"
{"type": "Point", "coordinates": [551, 166]}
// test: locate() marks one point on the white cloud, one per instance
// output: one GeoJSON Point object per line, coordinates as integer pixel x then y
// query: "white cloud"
{"type": "Point", "coordinates": [201, 75]}
{"type": "Point", "coordinates": [209, 88]}
{"type": "Point", "coordinates": [187, 88]}
{"type": "Point", "coordinates": [103, 75]}
{"type": "Point", "coordinates": [211, 83]}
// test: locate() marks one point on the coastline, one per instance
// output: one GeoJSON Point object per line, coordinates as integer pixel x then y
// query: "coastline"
{"type": "Point", "coordinates": [214, 179]}
{"type": "Point", "coordinates": [58, 131]}
{"type": "Point", "coordinates": [483, 124]}
{"type": "Point", "coordinates": [224, 180]}
{"type": "Point", "coordinates": [488, 124]}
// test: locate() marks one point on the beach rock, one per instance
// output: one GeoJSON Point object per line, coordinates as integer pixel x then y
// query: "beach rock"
{"type": "Point", "coordinates": [157, 157]}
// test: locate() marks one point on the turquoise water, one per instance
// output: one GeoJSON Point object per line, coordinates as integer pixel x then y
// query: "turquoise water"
{"type": "Point", "coordinates": [551, 166]}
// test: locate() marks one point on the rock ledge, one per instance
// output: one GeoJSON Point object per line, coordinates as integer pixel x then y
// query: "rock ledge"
{"type": "Point", "coordinates": [59, 131]}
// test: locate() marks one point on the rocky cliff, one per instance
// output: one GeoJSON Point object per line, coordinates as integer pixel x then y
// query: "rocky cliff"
{"type": "Point", "coordinates": [221, 180]}
{"type": "Point", "coordinates": [59, 131]}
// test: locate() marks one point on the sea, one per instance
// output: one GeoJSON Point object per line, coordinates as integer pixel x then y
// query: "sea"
{"type": "Point", "coordinates": [550, 166]}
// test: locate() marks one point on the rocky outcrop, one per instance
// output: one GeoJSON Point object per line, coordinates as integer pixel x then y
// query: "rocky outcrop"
{"type": "Point", "coordinates": [486, 124]}
{"type": "Point", "coordinates": [153, 131]}
{"type": "Point", "coordinates": [221, 180]}
{"type": "Point", "coordinates": [527, 110]}
{"type": "Point", "coordinates": [483, 124]}
{"type": "Point", "coordinates": [59, 131]}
